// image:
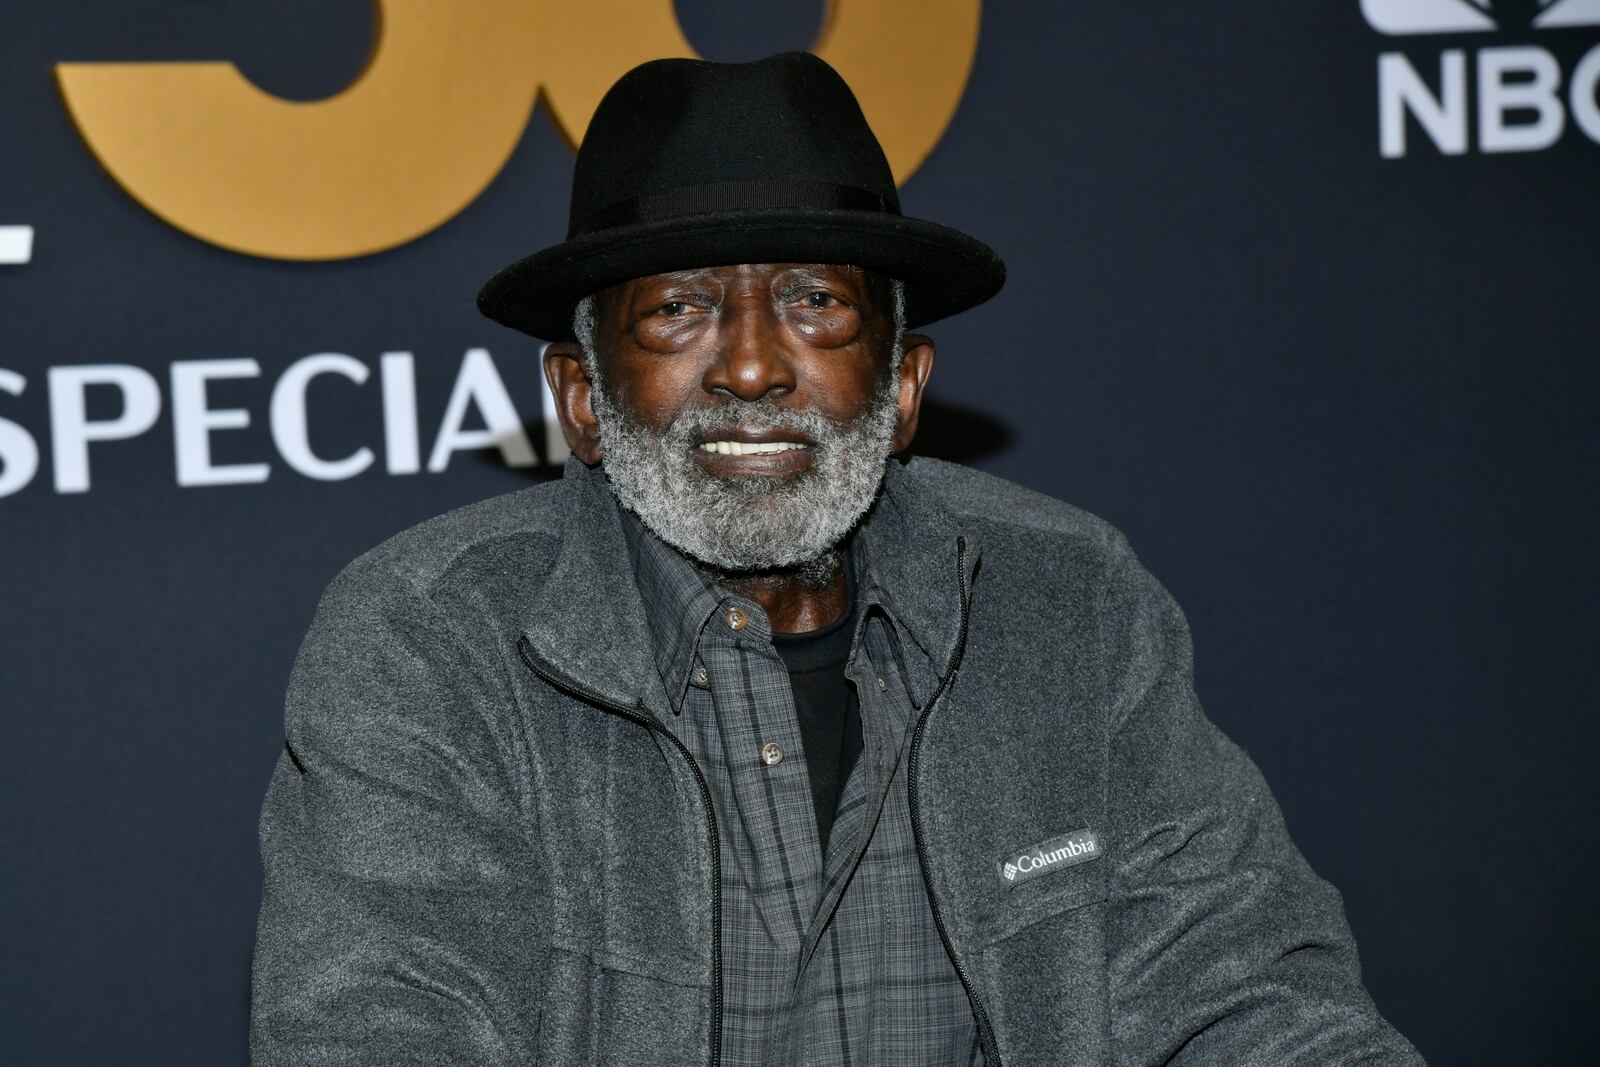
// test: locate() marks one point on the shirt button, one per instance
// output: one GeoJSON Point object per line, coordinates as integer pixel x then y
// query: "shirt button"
{"type": "Point", "coordinates": [882, 685]}
{"type": "Point", "coordinates": [736, 619]}
{"type": "Point", "coordinates": [772, 753]}
{"type": "Point", "coordinates": [702, 676]}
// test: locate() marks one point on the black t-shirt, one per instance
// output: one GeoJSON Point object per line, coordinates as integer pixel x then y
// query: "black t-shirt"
{"type": "Point", "coordinates": [826, 705]}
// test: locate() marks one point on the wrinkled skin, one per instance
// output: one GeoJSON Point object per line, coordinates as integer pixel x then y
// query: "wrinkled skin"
{"type": "Point", "coordinates": [807, 336]}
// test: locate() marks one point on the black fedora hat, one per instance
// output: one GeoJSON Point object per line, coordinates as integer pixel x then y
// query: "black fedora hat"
{"type": "Point", "coordinates": [689, 163]}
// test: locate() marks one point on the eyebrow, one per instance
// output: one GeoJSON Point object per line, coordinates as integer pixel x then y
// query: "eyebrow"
{"type": "Point", "coordinates": [807, 276]}
{"type": "Point", "coordinates": [679, 277]}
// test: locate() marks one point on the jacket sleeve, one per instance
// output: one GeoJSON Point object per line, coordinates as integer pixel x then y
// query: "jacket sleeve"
{"type": "Point", "coordinates": [401, 919]}
{"type": "Point", "coordinates": [1224, 946]}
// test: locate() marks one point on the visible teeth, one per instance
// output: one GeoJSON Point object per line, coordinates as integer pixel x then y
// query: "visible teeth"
{"type": "Point", "coordinates": [750, 448]}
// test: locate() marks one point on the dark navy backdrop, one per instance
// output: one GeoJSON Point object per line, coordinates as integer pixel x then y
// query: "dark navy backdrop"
{"type": "Point", "coordinates": [1343, 406]}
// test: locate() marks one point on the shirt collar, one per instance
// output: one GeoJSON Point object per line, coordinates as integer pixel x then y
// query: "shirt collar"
{"type": "Point", "coordinates": [679, 600]}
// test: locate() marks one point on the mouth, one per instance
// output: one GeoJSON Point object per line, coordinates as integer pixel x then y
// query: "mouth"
{"type": "Point", "coordinates": [751, 448]}
{"type": "Point", "coordinates": [774, 452]}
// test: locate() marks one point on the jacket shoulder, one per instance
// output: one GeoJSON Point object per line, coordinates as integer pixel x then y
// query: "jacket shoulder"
{"type": "Point", "coordinates": [1003, 507]}
{"type": "Point", "coordinates": [523, 525]}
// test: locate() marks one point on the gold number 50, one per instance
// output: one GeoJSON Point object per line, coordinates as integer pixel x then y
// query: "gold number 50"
{"type": "Point", "coordinates": [439, 108]}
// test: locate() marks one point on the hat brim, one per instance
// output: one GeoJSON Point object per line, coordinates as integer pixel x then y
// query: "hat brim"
{"type": "Point", "coordinates": [944, 270]}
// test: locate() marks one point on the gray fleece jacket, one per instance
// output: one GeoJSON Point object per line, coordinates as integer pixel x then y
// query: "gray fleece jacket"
{"type": "Point", "coordinates": [480, 846]}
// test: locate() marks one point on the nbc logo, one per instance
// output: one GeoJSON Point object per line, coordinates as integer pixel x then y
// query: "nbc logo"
{"type": "Point", "coordinates": [1519, 98]}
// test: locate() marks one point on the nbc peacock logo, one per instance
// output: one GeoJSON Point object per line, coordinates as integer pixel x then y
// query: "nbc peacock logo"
{"type": "Point", "coordinates": [1405, 17]}
{"type": "Point", "coordinates": [1522, 95]}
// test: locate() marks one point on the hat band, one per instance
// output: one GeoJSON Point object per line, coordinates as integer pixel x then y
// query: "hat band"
{"type": "Point", "coordinates": [734, 196]}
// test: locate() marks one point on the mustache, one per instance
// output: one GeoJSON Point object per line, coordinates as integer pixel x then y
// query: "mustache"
{"type": "Point", "coordinates": [760, 416]}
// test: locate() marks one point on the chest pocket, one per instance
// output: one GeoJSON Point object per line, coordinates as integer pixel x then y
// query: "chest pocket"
{"type": "Point", "coordinates": [600, 1013]}
{"type": "Point", "coordinates": [1043, 948]}
{"type": "Point", "coordinates": [1046, 968]}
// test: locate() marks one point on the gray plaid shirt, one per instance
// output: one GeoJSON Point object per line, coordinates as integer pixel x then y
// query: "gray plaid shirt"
{"type": "Point", "coordinates": [827, 960]}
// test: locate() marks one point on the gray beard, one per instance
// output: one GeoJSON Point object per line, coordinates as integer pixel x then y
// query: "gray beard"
{"type": "Point", "coordinates": [752, 523]}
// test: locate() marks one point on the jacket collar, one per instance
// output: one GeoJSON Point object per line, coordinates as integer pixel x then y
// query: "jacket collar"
{"type": "Point", "coordinates": [913, 546]}
{"type": "Point", "coordinates": [588, 628]}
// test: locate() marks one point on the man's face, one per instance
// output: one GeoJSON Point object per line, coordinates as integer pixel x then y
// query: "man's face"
{"type": "Point", "coordinates": [745, 412]}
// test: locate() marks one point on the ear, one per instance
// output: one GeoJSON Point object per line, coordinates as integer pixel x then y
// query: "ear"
{"type": "Point", "coordinates": [915, 368]}
{"type": "Point", "coordinates": [570, 387]}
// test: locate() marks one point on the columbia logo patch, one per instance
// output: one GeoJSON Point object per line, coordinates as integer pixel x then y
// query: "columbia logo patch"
{"type": "Point", "coordinates": [1079, 846]}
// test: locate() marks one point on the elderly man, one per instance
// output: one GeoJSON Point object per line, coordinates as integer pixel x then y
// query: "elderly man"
{"type": "Point", "coordinates": [747, 743]}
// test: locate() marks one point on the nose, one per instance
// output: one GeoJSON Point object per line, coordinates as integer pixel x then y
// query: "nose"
{"type": "Point", "coordinates": [752, 359]}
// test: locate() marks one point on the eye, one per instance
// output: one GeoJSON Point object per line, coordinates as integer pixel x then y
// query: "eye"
{"type": "Point", "coordinates": [673, 308]}
{"type": "Point", "coordinates": [819, 299]}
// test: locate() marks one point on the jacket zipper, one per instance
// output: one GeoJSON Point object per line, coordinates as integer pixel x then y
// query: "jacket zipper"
{"type": "Point", "coordinates": [649, 723]}
{"type": "Point", "coordinates": [991, 1051]}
